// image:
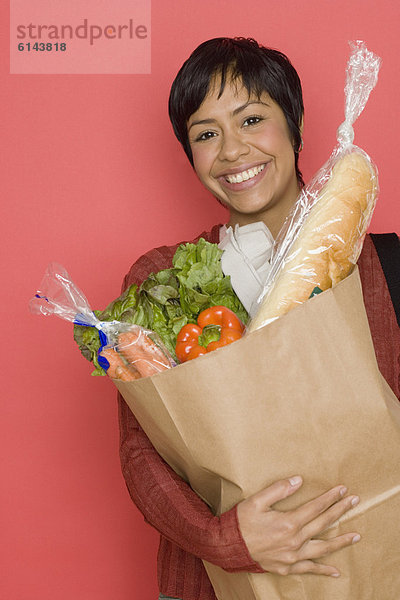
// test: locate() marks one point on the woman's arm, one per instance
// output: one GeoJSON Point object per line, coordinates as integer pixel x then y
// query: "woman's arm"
{"type": "Point", "coordinates": [280, 542]}
{"type": "Point", "coordinates": [173, 508]}
{"type": "Point", "coordinates": [382, 320]}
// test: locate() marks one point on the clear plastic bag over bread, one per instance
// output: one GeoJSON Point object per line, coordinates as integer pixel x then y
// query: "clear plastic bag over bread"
{"type": "Point", "coordinates": [322, 237]}
{"type": "Point", "coordinates": [125, 351]}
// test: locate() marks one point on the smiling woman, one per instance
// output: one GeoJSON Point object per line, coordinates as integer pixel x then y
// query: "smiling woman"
{"type": "Point", "coordinates": [237, 109]}
{"type": "Point", "coordinates": [243, 154]}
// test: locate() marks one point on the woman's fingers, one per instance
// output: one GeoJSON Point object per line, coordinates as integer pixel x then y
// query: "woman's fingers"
{"type": "Point", "coordinates": [279, 490]}
{"type": "Point", "coordinates": [318, 548]}
{"type": "Point", "coordinates": [312, 509]}
{"type": "Point", "coordinates": [283, 542]}
{"type": "Point", "coordinates": [315, 549]}
{"type": "Point", "coordinates": [309, 566]}
{"type": "Point", "coordinates": [327, 518]}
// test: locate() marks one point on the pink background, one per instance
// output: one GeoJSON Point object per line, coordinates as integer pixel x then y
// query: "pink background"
{"type": "Point", "coordinates": [93, 177]}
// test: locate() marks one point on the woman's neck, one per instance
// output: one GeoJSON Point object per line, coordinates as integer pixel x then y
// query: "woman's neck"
{"type": "Point", "coordinates": [273, 216]}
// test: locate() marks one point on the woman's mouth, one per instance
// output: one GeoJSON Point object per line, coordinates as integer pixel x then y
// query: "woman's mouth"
{"type": "Point", "coordinates": [244, 179]}
{"type": "Point", "coordinates": [244, 175]}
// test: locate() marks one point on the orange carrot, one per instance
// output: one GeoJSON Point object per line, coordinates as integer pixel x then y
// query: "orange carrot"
{"type": "Point", "coordinates": [118, 369]}
{"type": "Point", "coordinates": [140, 350]}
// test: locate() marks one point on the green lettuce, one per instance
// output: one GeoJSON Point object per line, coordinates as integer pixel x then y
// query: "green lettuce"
{"type": "Point", "coordinates": [169, 299]}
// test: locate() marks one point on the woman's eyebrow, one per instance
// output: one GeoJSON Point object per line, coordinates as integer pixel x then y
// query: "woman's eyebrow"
{"type": "Point", "coordinates": [240, 108]}
{"type": "Point", "coordinates": [237, 110]}
{"type": "Point", "coordinates": [202, 122]}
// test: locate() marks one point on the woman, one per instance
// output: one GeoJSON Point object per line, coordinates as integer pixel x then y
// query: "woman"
{"type": "Point", "coordinates": [237, 110]}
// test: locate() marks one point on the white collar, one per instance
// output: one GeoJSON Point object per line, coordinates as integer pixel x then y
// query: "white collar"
{"type": "Point", "coordinates": [246, 254]}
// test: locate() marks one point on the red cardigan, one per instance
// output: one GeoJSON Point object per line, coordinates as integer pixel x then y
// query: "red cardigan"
{"type": "Point", "coordinates": [189, 531]}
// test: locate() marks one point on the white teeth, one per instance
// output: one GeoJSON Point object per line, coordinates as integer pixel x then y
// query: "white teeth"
{"type": "Point", "coordinates": [244, 175]}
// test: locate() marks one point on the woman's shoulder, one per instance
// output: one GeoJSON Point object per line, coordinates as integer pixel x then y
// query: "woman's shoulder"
{"type": "Point", "coordinates": [371, 257]}
{"type": "Point", "coordinates": [381, 313]}
{"type": "Point", "coordinates": [160, 258]}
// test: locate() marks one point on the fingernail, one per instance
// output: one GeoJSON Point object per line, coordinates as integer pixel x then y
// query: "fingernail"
{"type": "Point", "coordinates": [335, 575]}
{"type": "Point", "coordinates": [355, 501]}
{"type": "Point", "coordinates": [343, 490]}
{"type": "Point", "coordinates": [295, 480]}
{"type": "Point", "coordinates": [356, 539]}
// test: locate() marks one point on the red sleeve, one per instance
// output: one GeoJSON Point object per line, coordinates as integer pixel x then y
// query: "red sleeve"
{"type": "Point", "coordinates": [385, 331]}
{"type": "Point", "coordinates": [166, 501]}
{"type": "Point", "coordinates": [171, 506]}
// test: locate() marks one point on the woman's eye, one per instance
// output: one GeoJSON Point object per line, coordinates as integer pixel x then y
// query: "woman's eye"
{"type": "Point", "coordinates": [252, 121]}
{"type": "Point", "coordinates": [205, 136]}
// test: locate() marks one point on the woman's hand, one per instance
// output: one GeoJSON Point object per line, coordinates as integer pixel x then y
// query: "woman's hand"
{"type": "Point", "coordinates": [284, 542]}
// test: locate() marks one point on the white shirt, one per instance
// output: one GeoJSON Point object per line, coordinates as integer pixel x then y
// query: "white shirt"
{"type": "Point", "coordinates": [246, 254]}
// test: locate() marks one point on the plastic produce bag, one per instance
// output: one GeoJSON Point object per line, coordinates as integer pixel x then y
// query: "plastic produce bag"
{"type": "Point", "coordinates": [127, 351]}
{"type": "Point", "coordinates": [322, 237]}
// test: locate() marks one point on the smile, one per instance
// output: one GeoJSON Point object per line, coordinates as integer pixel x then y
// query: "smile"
{"type": "Point", "coordinates": [244, 175]}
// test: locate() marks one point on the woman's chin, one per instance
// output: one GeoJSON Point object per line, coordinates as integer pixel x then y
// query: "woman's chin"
{"type": "Point", "coordinates": [246, 216]}
{"type": "Point", "coordinates": [249, 208]}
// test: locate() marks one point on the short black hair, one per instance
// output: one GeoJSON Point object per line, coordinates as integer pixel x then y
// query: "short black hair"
{"type": "Point", "coordinates": [260, 69]}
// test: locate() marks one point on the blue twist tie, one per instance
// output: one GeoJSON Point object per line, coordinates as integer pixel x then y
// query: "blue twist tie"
{"type": "Point", "coordinates": [42, 298]}
{"type": "Point", "coordinates": [103, 362]}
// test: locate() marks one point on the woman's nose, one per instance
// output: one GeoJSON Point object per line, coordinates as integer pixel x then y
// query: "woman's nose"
{"type": "Point", "coordinates": [232, 147]}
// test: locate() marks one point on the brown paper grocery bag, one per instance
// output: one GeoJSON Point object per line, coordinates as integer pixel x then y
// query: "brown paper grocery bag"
{"type": "Point", "coordinates": [301, 395]}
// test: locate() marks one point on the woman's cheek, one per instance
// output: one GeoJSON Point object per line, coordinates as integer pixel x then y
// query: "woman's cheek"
{"type": "Point", "coordinates": [201, 163]}
{"type": "Point", "coordinates": [275, 138]}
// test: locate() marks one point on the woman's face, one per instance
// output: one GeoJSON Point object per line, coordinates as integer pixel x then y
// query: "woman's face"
{"type": "Point", "coordinates": [243, 154]}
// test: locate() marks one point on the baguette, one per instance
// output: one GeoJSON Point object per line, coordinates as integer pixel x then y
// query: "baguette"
{"type": "Point", "coordinates": [329, 241]}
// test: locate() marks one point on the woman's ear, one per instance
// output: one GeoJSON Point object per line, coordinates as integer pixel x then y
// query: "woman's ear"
{"type": "Point", "coordinates": [301, 127]}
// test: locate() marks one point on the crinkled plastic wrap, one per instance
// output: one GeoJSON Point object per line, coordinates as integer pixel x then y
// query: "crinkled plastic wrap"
{"type": "Point", "coordinates": [126, 352]}
{"type": "Point", "coordinates": [322, 237]}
